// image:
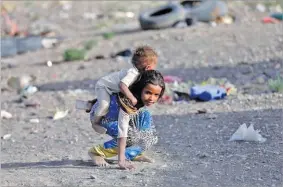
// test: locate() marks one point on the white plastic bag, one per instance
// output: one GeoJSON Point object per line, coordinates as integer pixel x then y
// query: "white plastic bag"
{"type": "Point", "coordinates": [247, 134]}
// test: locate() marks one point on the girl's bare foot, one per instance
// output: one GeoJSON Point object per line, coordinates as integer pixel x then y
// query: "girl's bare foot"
{"type": "Point", "coordinates": [143, 158]}
{"type": "Point", "coordinates": [98, 160]}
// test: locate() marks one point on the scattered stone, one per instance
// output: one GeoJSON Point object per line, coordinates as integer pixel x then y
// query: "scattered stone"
{"type": "Point", "coordinates": [34, 120]}
{"type": "Point", "coordinates": [202, 155]}
{"type": "Point", "coordinates": [260, 80]}
{"type": "Point", "coordinates": [5, 115]}
{"type": "Point", "coordinates": [202, 111]}
{"type": "Point", "coordinates": [124, 177]}
{"type": "Point", "coordinates": [6, 136]}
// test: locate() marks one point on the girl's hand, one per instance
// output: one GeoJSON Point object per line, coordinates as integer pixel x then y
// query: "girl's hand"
{"type": "Point", "coordinates": [134, 101]}
{"type": "Point", "coordinates": [124, 164]}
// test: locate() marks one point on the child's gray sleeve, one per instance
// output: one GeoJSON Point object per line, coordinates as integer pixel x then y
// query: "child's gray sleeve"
{"type": "Point", "coordinates": [131, 77]}
{"type": "Point", "coordinates": [123, 123]}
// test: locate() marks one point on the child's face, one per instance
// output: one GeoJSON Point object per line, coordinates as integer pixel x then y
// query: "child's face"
{"type": "Point", "coordinates": [150, 94]}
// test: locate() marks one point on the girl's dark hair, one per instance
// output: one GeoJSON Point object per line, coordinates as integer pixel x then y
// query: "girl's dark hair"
{"type": "Point", "coordinates": [148, 77]}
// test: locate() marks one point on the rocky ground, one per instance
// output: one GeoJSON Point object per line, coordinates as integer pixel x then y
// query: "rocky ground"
{"type": "Point", "coordinates": [193, 149]}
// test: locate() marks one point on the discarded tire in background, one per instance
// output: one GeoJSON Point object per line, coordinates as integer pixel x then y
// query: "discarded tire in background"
{"type": "Point", "coordinates": [162, 17]}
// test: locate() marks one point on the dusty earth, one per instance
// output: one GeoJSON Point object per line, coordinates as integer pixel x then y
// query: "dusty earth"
{"type": "Point", "coordinates": [193, 149]}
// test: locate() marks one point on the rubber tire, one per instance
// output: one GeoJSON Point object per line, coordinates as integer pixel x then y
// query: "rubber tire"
{"type": "Point", "coordinates": [155, 19]}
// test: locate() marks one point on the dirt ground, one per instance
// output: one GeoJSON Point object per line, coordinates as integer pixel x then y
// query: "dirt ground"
{"type": "Point", "coordinates": [193, 149]}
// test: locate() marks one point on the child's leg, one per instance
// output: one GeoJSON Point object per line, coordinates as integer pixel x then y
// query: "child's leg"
{"type": "Point", "coordinates": [100, 152]}
{"type": "Point", "coordinates": [103, 99]}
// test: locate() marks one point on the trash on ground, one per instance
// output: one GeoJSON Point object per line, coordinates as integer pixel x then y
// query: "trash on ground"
{"type": "Point", "coordinates": [124, 53]}
{"type": "Point", "coordinates": [28, 91]}
{"type": "Point", "coordinates": [124, 14]}
{"type": "Point", "coordinates": [11, 46]}
{"type": "Point", "coordinates": [60, 114]}
{"type": "Point", "coordinates": [49, 63]}
{"type": "Point", "coordinates": [207, 11]}
{"type": "Point", "coordinates": [181, 96]}
{"type": "Point", "coordinates": [269, 20]}
{"type": "Point", "coordinates": [164, 16]}
{"type": "Point", "coordinates": [179, 90]}
{"type": "Point", "coordinates": [34, 120]}
{"type": "Point", "coordinates": [171, 79]}
{"type": "Point", "coordinates": [74, 54]}
{"type": "Point", "coordinates": [49, 42]}
{"type": "Point", "coordinates": [6, 136]}
{"type": "Point", "coordinates": [278, 16]}
{"type": "Point", "coordinates": [207, 92]}
{"type": "Point", "coordinates": [5, 115]}
{"type": "Point", "coordinates": [99, 57]}
{"type": "Point", "coordinates": [247, 134]}
{"type": "Point", "coordinates": [19, 83]}
{"type": "Point", "coordinates": [33, 104]}
{"type": "Point", "coordinates": [202, 111]}
{"type": "Point", "coordinates": [260, 7]}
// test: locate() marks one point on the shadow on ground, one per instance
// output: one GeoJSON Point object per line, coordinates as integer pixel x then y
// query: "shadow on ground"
{"type": "Point", "coordinates": [53, 164]}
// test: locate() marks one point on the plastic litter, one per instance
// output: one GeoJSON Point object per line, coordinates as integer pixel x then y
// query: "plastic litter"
{"type": "Point", "coordinates": [6, 136]}
{"type": "Point", "coordinates": [28, 90]}
{"type": "Point", "coordinates": [5, 115]}
{"type": "Point", "coordinates": [19, 83]}
{"type": "Point", "coordinates": [247, 134]}
{"type": "Point", "coordinates": [207, 92]}
{"type": "Point", "coordinates": [60, 114]}
{"type": "Point", "coordinates": [34, 120]}
{"type": "Point", "coordinates": [171, 79]}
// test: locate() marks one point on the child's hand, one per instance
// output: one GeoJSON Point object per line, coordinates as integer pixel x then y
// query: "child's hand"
{"type": "Point", "coordinates": [134, 101]}
{"type": "Point", "coordinates": [124, 164]}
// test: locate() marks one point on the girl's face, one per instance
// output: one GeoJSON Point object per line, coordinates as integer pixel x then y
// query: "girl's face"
{"type": "Point", "coordinates": [150, 94]}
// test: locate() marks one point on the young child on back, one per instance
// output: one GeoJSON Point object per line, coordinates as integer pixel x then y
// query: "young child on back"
{"type": "Point", "coordinates": [144, 58]}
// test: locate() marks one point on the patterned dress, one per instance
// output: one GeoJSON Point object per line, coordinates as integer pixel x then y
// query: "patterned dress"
{"type": "Point", "coordinates": [141, 132]}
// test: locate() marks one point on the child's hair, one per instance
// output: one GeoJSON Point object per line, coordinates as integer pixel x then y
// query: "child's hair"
{"type": "Point", "coordinates": [144, 56]}
{"type": "Point", "coordinates": [147, 77]}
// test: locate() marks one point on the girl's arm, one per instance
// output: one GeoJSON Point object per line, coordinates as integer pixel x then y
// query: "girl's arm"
{"type": "Point", "coordinates": [123, 125]}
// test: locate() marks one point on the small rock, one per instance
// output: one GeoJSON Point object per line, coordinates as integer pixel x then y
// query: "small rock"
{"type": "Point", "coordinates": [124, 177]}
{"type": "Point", "coordinates": [6, 136]}
{"type": "Point", "coordinates": [92, 177]}
{"type": "Point", "coordinates": [5, 115]}
{"type": "Point", "coordinates": [277, 66]}
{"type": "Point", "coordinates": [247, 70]}
{"type": "Point", "coordinates": [260, 80]}
{"type": "Point", "coordinates": [202, 155]}
{"type": "Point", "coordinates": [212, 116]}
{"type": "Point", "coordinates": [178, 38]}
{"type": "Point", "coordinates": [49, 63]}
{"type": "Point", "coordinates": [202, 111]}
{"type": "Point", "coordinates": [81, 67]}
{"type": "Point", "coordinates": [260, 7]}
{"type": "Point", "coordinates": [33, 104]}
{"type": "Point", "coordinates": [98, 57]}
{"type": "Point", "coordinates": [76, 138]}
{"type": "Point", "coordinates": [34, 120]}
